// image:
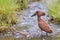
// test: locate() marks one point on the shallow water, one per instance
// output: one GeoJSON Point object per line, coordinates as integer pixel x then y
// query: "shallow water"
{"type": "Point", "coordinates": [32, 23]}
{"type": "Point", "coordinates": [34, 38]}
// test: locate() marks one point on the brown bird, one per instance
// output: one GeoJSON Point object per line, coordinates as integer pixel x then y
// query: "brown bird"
{"type": "Point", "coordinates": [43, 25]}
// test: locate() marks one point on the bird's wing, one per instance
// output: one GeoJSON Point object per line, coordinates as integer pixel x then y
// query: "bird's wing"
{"type": "Point", "coordinates": [44, 24]}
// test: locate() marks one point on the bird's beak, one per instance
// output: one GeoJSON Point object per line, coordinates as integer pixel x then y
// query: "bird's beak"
{"type": "Point", "coordinates": [33, 15]}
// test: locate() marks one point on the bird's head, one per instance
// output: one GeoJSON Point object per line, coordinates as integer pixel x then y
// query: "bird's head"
{"type": "Point", "coordinates": [38, 13]}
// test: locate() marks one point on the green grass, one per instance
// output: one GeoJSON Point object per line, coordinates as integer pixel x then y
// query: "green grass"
{"type": "Point", "coordinates": [22, 3]}
{"type": "Point", "coordinates": [8, 11]}
{"type": "Point", "coordinates": [54, 11]}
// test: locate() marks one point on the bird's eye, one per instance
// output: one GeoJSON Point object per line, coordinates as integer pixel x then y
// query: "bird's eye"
{"type": "Point", "coordinates": [43, 13]}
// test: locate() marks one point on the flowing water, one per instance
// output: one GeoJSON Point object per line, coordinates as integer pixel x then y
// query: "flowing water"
{"type": "Point", "coordinates": [29, 25]}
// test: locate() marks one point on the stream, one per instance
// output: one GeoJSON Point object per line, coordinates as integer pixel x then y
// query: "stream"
{"type": "Point", "coordinates": [29, 25]}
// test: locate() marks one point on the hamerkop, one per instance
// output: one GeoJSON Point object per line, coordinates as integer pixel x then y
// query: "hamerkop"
{"type": "Point", "coordinates": [43, 25]}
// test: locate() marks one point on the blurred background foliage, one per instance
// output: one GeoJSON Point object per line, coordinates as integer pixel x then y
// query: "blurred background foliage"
{"type": "Point", "coordinates": [22, 4]}
{"type": "Point", "coordinates": [54, 10]}
{"type": "Point", "coordinates": [9, 10]}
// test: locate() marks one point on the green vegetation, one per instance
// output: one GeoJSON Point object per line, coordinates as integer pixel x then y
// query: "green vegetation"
{"type": "Point", "coordinates": [54, 11]}
{"type": "Point", "coordinates": [8, 12]}
{"type": "Point", "coordinates": [22, 4]}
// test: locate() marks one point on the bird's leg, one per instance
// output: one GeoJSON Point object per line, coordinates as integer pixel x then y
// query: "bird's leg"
{"type": "Point", "coordinates": [41, 33]}
{"type": "Point", "coordinates": [46, 34]}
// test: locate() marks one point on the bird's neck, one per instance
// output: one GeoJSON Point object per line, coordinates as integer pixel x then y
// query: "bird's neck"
{"type": "Point", "coordinates": [39, 19]}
